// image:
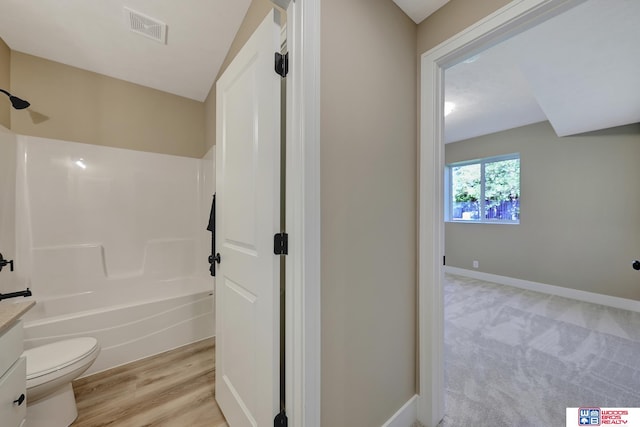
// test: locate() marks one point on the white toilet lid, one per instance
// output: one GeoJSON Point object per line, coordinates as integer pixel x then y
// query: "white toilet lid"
{"type": "Point", "coordinates": [49, 358]}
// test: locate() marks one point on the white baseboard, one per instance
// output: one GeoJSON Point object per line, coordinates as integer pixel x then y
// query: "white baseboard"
{"type": "Point", "coordinates": [406, 416]}
{"type": "Point", "coordinates": [622, 303]}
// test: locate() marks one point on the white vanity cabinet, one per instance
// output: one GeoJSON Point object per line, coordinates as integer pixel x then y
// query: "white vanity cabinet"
{"type": "Point", "coordinates": [13, 367]}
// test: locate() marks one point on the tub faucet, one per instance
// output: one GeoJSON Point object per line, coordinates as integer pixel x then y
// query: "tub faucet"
{"type": "Point", "coordinates": [25, 293]}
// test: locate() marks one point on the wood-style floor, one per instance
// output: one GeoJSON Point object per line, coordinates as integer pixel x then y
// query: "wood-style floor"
{"type": "Point", "coordinates": [172, 389]}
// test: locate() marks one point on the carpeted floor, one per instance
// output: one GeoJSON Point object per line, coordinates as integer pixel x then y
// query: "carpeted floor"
{"type": "Point", "coordinates": [520, 358]}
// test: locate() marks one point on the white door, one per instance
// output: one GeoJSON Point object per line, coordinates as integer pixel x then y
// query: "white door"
{"type": "Point", "coordinates": [248, 216]}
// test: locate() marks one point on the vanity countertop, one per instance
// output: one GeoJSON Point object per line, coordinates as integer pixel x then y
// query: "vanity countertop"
{"type": "Point", "coordinates": [10, 312]}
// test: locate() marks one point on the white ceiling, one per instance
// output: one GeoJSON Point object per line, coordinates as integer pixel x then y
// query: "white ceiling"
{"type": "Point", "coordinates": [93, 35]}
{"type": "Point", "coordinates": [418, 10]}
{"type": "Point", "coordinates": [579, 70]}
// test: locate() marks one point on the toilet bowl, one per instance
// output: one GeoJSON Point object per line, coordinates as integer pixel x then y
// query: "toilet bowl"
{"type": "Point", "coordinates": [50, 370]}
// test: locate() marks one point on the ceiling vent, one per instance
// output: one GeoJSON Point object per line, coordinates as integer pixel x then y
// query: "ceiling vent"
{"type": "Point", "coordinates": [146, 26]}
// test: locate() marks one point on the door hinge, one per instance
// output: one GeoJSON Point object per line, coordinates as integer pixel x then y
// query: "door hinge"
{"type": "Point", "coordinates": [281, 244]}
{"type": "Point", "coordinates": [282, 64]}
{"type": "Point", "coordinates": [281, 419]}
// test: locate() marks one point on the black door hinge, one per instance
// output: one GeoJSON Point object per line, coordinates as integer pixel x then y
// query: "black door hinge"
{"type": "Point", "coordinates": [281, 244]}
{"type": "Point", "coordinates": [281, 420]}
{"type": "Point", "coordinates": [282, 64]}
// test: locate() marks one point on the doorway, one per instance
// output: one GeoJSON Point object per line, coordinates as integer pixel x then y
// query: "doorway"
{"type": "Point", "coordinates": [502, 25]}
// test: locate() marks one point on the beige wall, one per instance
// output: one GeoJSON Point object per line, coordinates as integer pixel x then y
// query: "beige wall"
{"type": "Point", "coordinates": [452, 18]}
{"type": "Point", "coordinates": [368, 182]}
{"type": "Point", "coordinates": [580, 214]}
{"type": "Point", "coordinates": [76, 105]}
{"type": "Point", "coordinates": [258, 9]}
{"type": "Point", "coordinates": [5, 64]}
{"type": "Point", "coordinates": [113, 112]}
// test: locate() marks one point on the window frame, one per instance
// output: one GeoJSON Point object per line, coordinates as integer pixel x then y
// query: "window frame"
{"type": "Point", "coordinates": [448, 182]}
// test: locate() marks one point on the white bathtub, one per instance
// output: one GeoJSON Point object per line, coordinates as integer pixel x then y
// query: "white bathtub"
{"type": "Point", "coordinates": [130, 319]}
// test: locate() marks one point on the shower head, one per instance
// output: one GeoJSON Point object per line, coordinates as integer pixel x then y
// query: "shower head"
{"type": "Point", "coordinates": [18, 104]}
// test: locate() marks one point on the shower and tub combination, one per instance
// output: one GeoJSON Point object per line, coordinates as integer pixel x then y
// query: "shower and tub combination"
{"type": "Point", "coordinates": [129, 320]}
{"type": "Point", "coordinates": [113, 244]}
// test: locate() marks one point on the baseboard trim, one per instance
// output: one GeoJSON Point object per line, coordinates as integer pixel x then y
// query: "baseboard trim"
{"type": "Point", "coordinates": [406, 416]}
{"type": "Point", "coordinates": [592, 297]}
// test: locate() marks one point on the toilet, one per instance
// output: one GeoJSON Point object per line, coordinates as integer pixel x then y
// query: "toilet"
{"type": "Point", "coordinates": [50, 370]}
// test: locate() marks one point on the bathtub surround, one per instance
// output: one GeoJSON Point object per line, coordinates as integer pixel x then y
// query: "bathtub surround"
{"type": "Point", "coordinates": [520, 357]}
{"type": "Point", "coordinates": [155, 317]}
{"type": "Point", "coordinates": [8, 151]}
{"type": "Point", "coordinates": [91, 214]}
{"type": "Point", "coordinates": [112, 242]}
{"type": "Point", "coordinates": [95, 213]}
{"type": "Point", "coordinates": [5, 70]}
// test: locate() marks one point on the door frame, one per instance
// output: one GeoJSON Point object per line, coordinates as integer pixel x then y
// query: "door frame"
{"type": "Point", "coordinates": [513, 18]}
{"type": "Point", "coordinates": [302, 330]}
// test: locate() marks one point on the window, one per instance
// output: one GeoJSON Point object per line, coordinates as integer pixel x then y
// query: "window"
{"type": "Point", "coordinates": [485, 190]}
